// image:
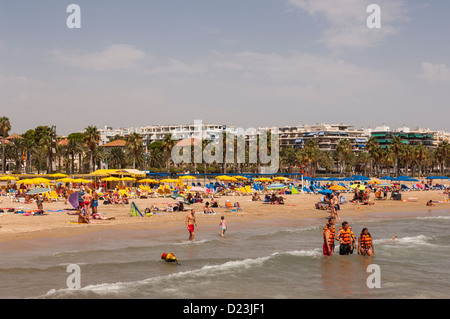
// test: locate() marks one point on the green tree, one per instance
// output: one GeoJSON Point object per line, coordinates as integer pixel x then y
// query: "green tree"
{"type": "Point", "coordinates": [91, 138]}
{"type": "Point", "coordinates": [5, 127]}
{"type": "Point", "coordinates": [135, 146]}
{"type": "Point", "coordinates": [167, 144]}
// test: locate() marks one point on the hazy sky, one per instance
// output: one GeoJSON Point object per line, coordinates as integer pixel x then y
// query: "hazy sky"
{"type": "Point", "coordinates": [245, 63]}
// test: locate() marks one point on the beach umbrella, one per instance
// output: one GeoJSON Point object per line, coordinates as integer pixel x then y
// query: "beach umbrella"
{"type": "Point", "coordinates": [39, 190]}
{"type": "Point", "coordinates": [40, 180]}
{"type": "Point", "coordinates": [240, 178]}
{"type": "Point", "coordinates": [148, 180]}
{"type": "Point", "coordinates": [263, 179]}
{"type": "Point", "coordinates": [25, 181]}
{"type": "Point", "coordinates": [169, 180]}
{"type": "Point", "coordinates": [276, 186]}
{"type": "Point", "coordinates": [386, 178]}
{"type": "Point", "coordinates": [65, 180]}
{"type": "Point", "coordinates": [361, 187]}
{"type": "Point", "coordinates": [360, 178]}
{"type": "Point", "coordinates": [127, 179]}
{"type": "Point", "coordinates": [8, 178]}
{"type": "Point", "coordinates": [187, 177]}
{"type": "Point", "coordinates": [325, 192]}
{"type": "Point", "coordinates": [58, 175]}
{"type": "Point", "coordinates": [337, 188]}
{"type": "Point", "coordinates": [385, 184]}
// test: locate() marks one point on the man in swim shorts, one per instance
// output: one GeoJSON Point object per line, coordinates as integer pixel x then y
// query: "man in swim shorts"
{"type": "Point", "coordinates": [190, 222]}
{"type": "Point", "coordinates": [346, 239]}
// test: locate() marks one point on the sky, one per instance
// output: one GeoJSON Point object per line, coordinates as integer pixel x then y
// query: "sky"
{"type": "Point", "coordinates": [251, 63]}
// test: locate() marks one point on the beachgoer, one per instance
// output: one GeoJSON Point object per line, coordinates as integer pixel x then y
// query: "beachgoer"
{"type": "Point", "coordinates": [94, 202]}
{"type": "Point", "coordinates": [87, 201]}
{"type": "Point", "coordinates": [190, 222]}
{"type": "Point", "coordinates": [39, 203]}
{"type": "Point", "coordinates": [207, 209]}
{"type": "Point", "coordinates": [327, 240]}
{"type": "Point", "coordinates": [345, 237]}
{"type": "Point", "coordinates": [255, 197]}
{"type": "Point", "coordinates": [430, 203]}
{"type": "Point", "coordinates": [101, 217]}
{"type": "Point", "coordinates": [365, 243]}
{"type": "Point", "coordinates": [332, 231]}
{"type": "Point", "coordinates": [223, 226]}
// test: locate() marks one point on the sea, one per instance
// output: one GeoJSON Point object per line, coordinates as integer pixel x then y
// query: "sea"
{"type": "Point", "coordinates": [259, 259]}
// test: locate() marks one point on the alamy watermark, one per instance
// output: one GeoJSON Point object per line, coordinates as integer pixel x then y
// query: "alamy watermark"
{"type": "Point", "coordinates": [374, 279]}
{"type": "Point", "coordinates": [374, 19]}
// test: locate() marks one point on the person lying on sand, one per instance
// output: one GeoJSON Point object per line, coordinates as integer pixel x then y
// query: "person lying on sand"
{"type": "Point", "coordinates": [101, 217]}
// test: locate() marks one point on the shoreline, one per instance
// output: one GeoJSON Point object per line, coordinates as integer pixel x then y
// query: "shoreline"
{"type": "Point", "coordinates": [298, 207]}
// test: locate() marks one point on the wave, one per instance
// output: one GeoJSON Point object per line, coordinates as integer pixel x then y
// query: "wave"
{"type": "Point", "coordinates": [204, 273]}
{"type": "Point", "coordinates": [435, 217]}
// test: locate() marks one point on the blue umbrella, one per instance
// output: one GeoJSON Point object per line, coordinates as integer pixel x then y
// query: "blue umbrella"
{"type": "Point", "coordinates": [325, 192]}
{"type": "Point", "coordinates": [387, 178]}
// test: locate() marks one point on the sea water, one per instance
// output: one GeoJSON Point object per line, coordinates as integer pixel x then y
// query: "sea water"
{"type": "Point", "coordinates": [258, 259]}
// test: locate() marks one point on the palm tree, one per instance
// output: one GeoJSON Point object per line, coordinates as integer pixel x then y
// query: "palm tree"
{"type": "Point", "coordinates": [14, 151]}
{"type": "Point", "coordinates": [363, 159]}
{"type": "Point", "coordinates": [407, 156]}
{"type": "Point", "coordinates": [46, 144]}
{"type": "Point", "coordinates": [443, 155]}
{"type": "Point", "coordinates": [5, 127]}
{"type": "Point", "coordinates": [91, 138]}
{"type": "Point", "coordinates": [420, 155]}
{"type": "Point", "coordinates": [375, 150]}
{"type": "Point", "coordinates": [167, 145]}
{"type": "Point", "coordinates": [343, 151]}
{"type": "Point", "coordinates": [116, 156]}
{"type": "Point", "coordinates": [134, 144]}
{"type": "Point", "coordinates": [396, 147]}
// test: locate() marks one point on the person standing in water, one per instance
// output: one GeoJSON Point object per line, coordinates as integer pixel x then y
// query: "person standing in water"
{"type": "Point", "coordinates": [365, 243]}
{"type": "Point", "coordinates": [190, 222]}
{"type": "Point", "coordinates": [345, 237]}
{"type": "Point", "coordinates": [223, 226]}
{"type": "Point", "coordinates": [328, 241]}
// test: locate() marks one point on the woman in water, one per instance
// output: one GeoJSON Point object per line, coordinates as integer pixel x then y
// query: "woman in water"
{"type": "Point", "coordinates": [365, 243]}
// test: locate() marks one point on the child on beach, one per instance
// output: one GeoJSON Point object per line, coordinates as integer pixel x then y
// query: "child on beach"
{"type": "Point", "coordinates": [223, 226]}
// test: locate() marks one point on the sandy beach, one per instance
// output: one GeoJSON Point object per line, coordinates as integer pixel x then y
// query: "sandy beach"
{"type": "Point", "coordinates": [56, 222]}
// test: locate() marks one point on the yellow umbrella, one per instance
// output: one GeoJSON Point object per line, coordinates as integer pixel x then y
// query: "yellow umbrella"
{"type": "Point", "coordinates": [188, 177]}
{"type": "Point", "coordinates": [337, 188]}
{"type": "Point", "coordinates": [8, 178]}
{"type": "Point", "coordinates": [65, 180]}
{"type": "Point", "coordinates": [127, 179]}
{"type": "Point", "coordinates": [263, 179]}
{"type": "Point", "coordinates": [40, 180]}
{"type": "Point", "coordinates": [361, 187]}
{"type": "Point", "coordinates": [25, 181]}
{"type": "Point", "coordinates": [169, 180]}
{"type": "Point", "coordinates": [58, 175]}
{"type": "Point", "coordinates": [241, 177]}
{"type": "Point", "coordinates": [148, 180]}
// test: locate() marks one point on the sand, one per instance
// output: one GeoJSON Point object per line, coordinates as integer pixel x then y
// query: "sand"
{"type": "Point", "coordinates": [57, 224]}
